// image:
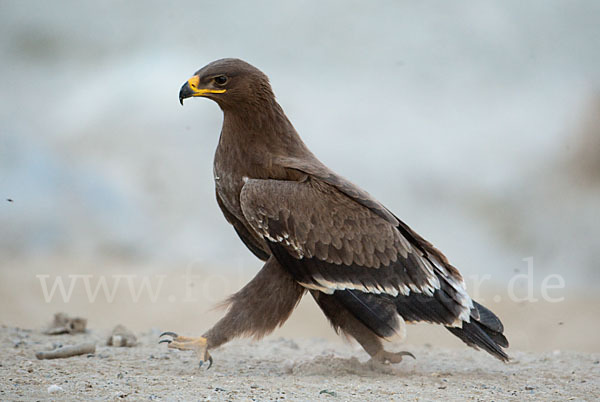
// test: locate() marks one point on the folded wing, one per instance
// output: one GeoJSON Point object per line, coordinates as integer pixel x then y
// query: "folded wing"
{"type": "Point", "coordinates": [330, 242]}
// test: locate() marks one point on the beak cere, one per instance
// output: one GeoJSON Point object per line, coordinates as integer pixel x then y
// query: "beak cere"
{"type": "Point", "coordinates": [191, 89]}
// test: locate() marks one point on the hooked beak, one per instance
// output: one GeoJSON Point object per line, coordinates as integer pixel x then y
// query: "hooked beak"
{"type": "Point", "coordinates": [190, 89]}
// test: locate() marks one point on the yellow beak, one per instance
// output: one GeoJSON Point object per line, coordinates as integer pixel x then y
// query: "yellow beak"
{"type": "Point", "coordinates": [190, 89]}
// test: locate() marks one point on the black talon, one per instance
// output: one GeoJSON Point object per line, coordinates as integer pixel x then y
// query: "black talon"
{"type": "Point", "coordinates": [408, 354]}
{"type": "Point", "coordinates": [169, 333]}
{"type": "Point", "coordinates": [210, 362]}
{"type": "Point", "coordinates": [165, 341]}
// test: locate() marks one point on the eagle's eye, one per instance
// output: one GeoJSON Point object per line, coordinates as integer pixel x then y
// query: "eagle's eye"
{"type": "Point", "coordinates": [220, 80]}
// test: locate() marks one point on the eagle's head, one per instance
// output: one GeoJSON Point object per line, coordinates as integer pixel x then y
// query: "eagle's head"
{"type": "Point", "coordinates": [230, 83]}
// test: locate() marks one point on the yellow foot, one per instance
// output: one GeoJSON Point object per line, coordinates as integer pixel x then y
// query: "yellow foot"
{"type": "Point", "coordinates": [386, 357]}
{"type": "Point", "coordinates": [198, 345]}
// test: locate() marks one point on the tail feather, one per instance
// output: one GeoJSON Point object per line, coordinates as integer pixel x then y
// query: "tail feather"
{"type": "Point", "coordinates": [377, 312]}
{"type": "Point", "coordinates": [485, 333]}
{"type": "Point", "coordinates": [380, 314]}
{"type": "Point", "coordinates": [488, 319]}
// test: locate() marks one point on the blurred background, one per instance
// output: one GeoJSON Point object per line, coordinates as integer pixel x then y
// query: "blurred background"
{"type": "Point", "coordinates": [476, 122]}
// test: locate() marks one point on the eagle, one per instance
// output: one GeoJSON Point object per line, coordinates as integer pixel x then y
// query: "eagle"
{"type": "Point", "coordinates": [317, 232]}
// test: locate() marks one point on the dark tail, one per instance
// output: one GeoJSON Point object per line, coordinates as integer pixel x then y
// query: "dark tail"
{"type": "Point", "coordinates": [377, 312]}
{"type": "Point", "coordinates": [485, 332]}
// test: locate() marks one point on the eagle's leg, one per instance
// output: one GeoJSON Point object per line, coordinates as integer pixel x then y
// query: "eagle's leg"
{"type": "Point", "coordinates": [342, 320]}
{"type": "Point", "coordinates": [385, 357]}
{"type": "Point", "coordinates": [255, 310]}
{"type": "Point", "coordinates": [198, 345]}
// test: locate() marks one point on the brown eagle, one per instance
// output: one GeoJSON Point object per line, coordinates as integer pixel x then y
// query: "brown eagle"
{"type": "Point", "coordinates": [367, 270]}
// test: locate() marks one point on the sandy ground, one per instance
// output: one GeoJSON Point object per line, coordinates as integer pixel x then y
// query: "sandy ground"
{"type": "Point", "coordinates": [284, 369]}
{"type": "Point", "coordinates": [555, 346]}
{"type": "Point", "coordinates": [187, 306]}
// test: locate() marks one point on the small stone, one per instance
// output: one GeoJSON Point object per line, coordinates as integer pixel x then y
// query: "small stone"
{"type": "Point", "coordinates": [529, 388]}
{"type": "Point", "coordinates": [288, 366]}
{"type": "Point", "coordinates": [63, 324]}
{"type": "Point", "coordinates": [54, 389]}
{"type": "Point", "coordinates": [121, 336]}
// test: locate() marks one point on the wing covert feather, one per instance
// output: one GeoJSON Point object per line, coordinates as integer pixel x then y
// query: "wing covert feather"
{"type": "Point", "coordinates": [331, 242]}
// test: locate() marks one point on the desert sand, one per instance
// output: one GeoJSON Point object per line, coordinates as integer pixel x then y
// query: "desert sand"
{"type": "Point", "coordinates": [282, 368]}
{"type": "Point", "coordinates": [554, 347]}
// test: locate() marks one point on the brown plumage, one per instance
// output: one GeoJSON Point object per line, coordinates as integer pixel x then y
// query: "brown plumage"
{"type": "Point", "coordinates": [367, 270]}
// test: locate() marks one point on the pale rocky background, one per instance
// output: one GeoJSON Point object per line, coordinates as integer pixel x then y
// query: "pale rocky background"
{"type": "Point", "coordinates": [477, 123]}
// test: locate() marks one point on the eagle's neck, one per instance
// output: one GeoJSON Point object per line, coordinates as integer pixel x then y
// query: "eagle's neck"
{"type": "Point", "coordinates": [254, 137]}
{"type": "Point", "coordinates": [252, 143]}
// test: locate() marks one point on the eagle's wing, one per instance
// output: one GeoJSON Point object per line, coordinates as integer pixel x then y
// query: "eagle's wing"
{"type": "Point", "coordinates": [250, 241]}
{"type": "Point", "coordinates": [330, 242]}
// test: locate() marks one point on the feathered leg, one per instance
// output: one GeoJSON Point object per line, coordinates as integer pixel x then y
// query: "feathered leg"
{"type": "Point", "coordinates": [343, 320]}
{"type": "Point", "coordinates": [257, 309]}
